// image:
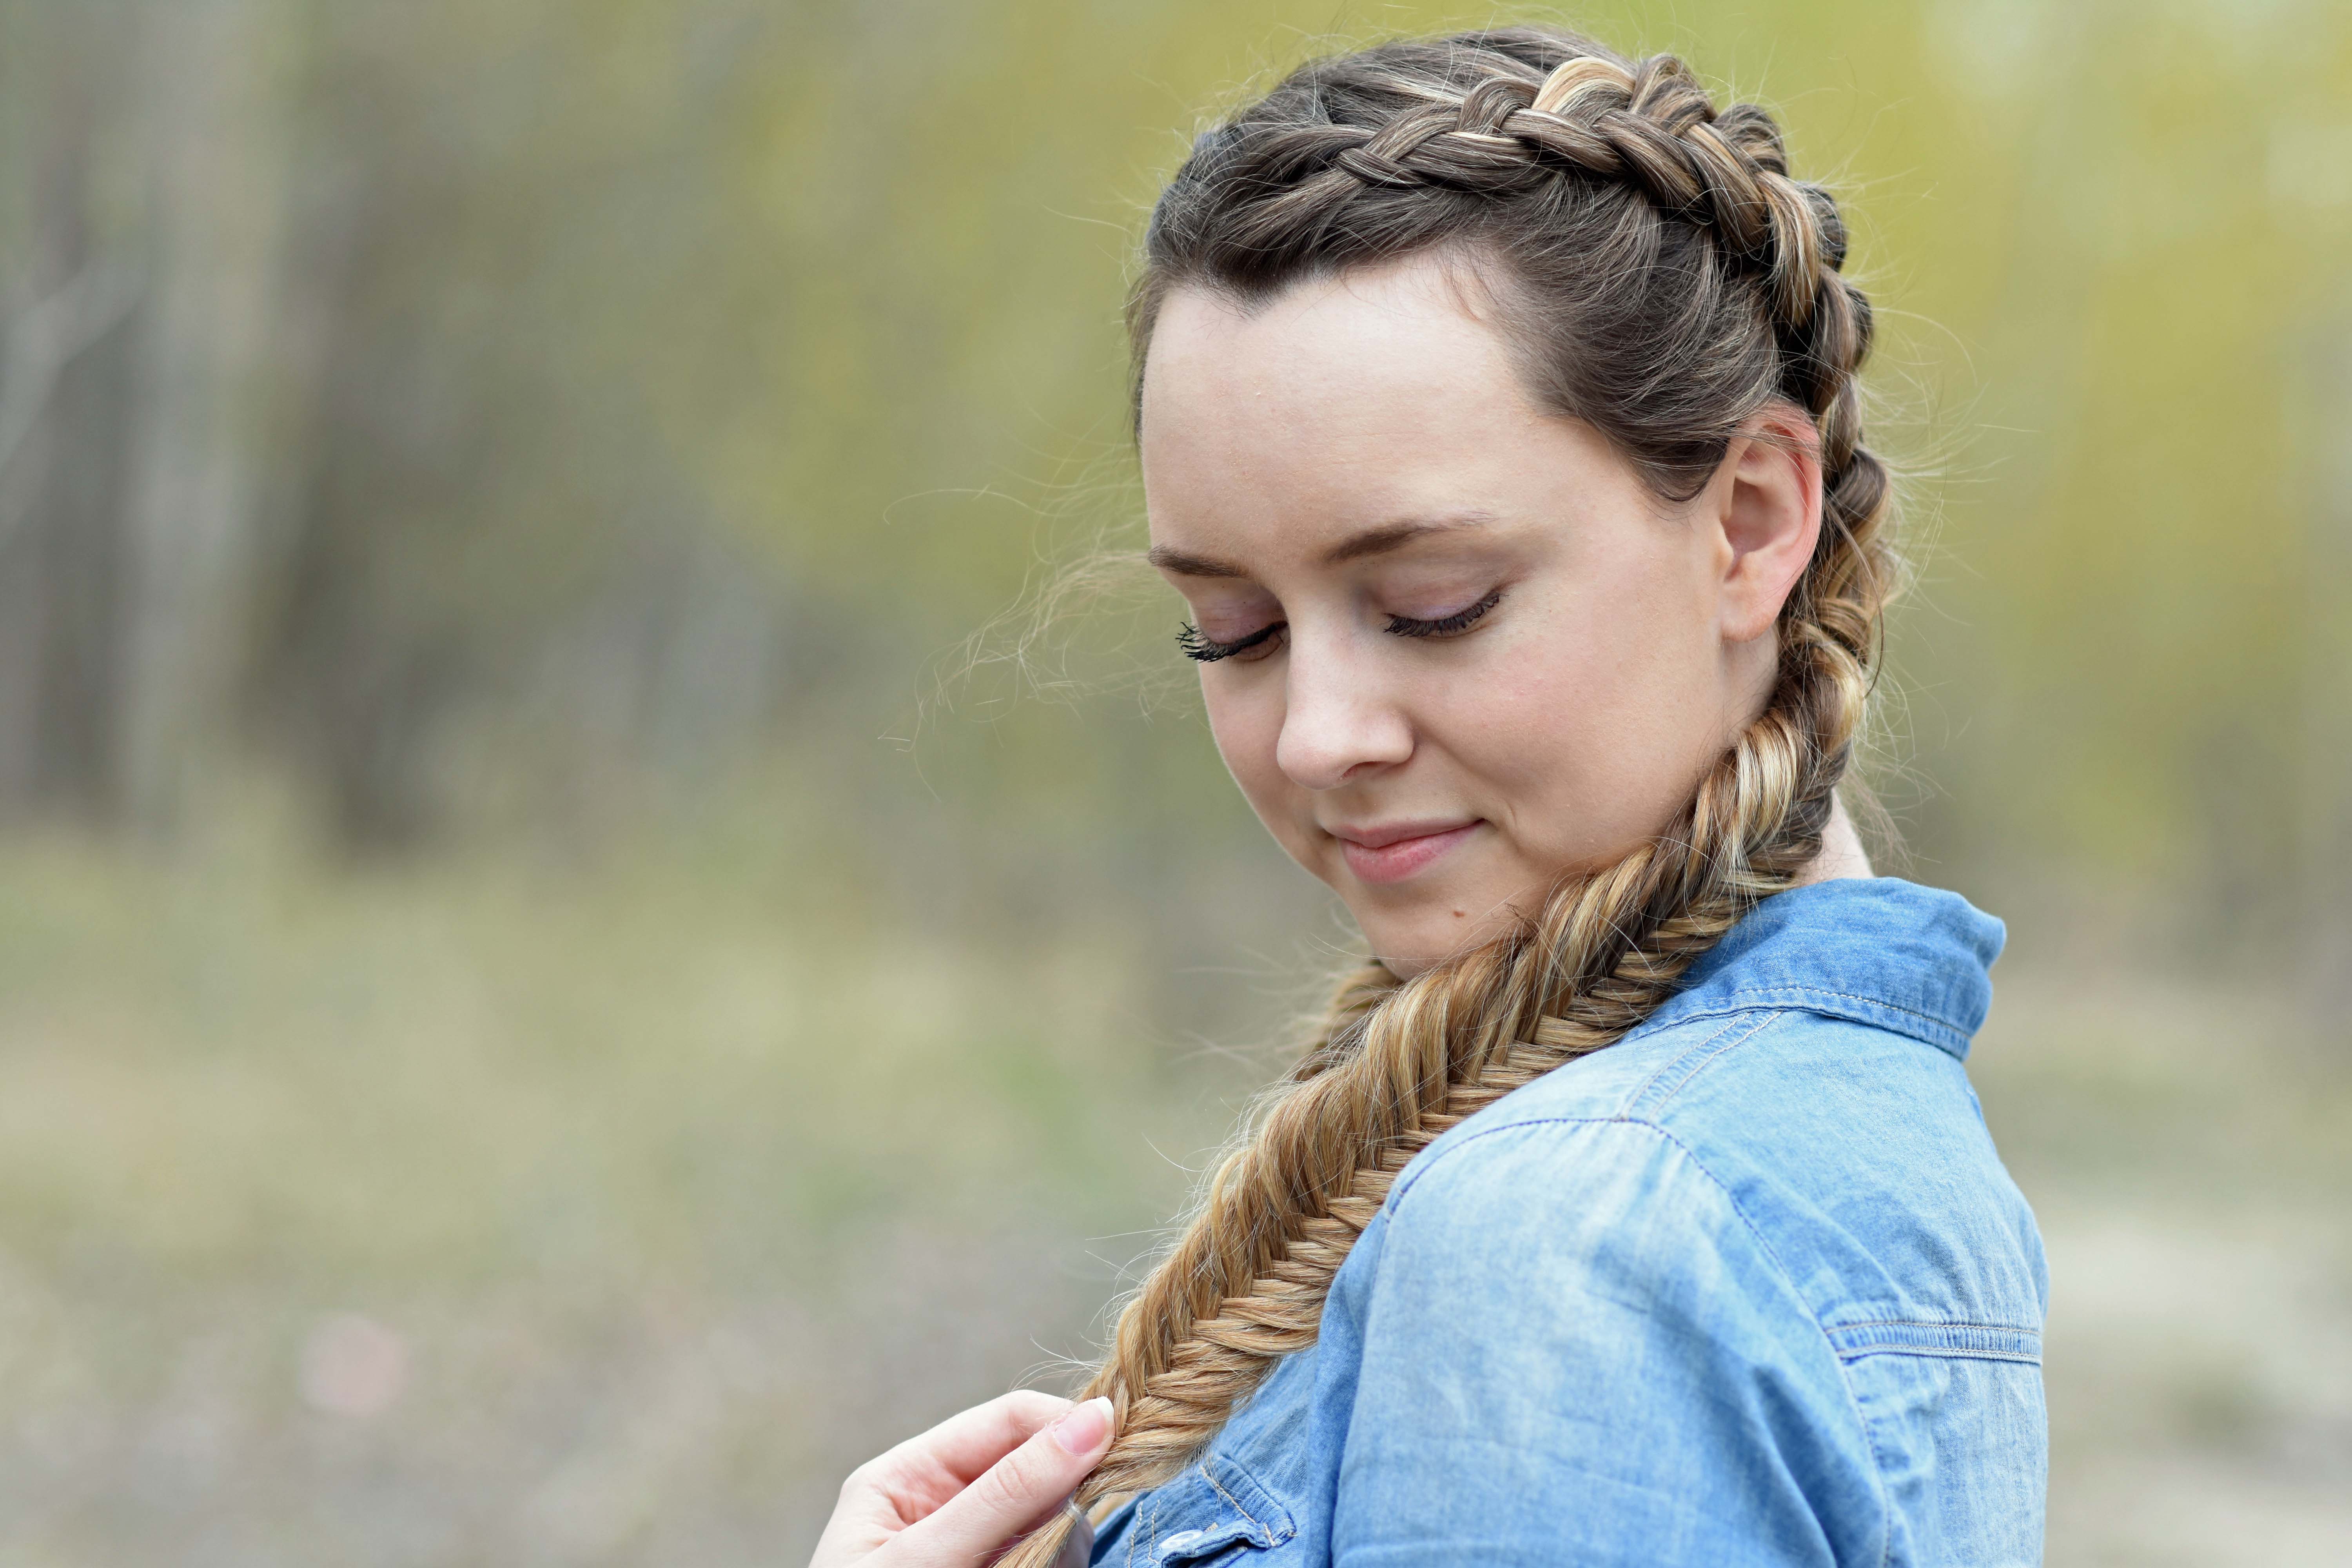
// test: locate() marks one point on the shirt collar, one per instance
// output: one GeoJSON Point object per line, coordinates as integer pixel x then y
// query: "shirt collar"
{"type": "Point", "coordinates": [1878, 951]}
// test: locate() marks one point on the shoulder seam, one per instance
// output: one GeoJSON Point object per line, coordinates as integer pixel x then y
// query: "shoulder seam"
{"type": "Point", "coordinates": [1713, 1052]}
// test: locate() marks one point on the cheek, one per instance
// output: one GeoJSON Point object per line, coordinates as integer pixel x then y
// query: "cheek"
{"type": "Point", "coordinates": [1584, 728]}
{"type": "Point", "coordinates": [1535, 728]}
{"type": "Point", "coordinates": [1245, 719]}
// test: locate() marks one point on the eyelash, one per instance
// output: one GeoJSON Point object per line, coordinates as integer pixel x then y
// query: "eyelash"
{"type": "Point", "coordinates": [1444, 626]}
{"type": "Point", "coordinates": [1203, 650]}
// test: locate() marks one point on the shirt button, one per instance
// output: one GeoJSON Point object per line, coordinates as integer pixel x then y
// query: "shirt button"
{"type": "Point", "coordinates": [1183, 1540]}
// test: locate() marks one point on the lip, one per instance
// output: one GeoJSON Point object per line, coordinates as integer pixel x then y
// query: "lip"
{"type": "Point", "coordinates": [1392, 851]}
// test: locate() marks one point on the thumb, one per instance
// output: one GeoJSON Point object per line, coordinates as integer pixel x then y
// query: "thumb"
{"type": "Point", "coordinates": [1015, 1494]}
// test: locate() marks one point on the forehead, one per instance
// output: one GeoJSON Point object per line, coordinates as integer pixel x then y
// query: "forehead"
{"type": "Point", "coordinates": [1338, 405]}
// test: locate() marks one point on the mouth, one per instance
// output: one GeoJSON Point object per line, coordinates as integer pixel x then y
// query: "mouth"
{"type": "Point", "coordinates": [1391, 852]}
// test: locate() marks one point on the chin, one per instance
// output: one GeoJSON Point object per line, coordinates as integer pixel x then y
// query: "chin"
{"type": "Point", "coordinates": [1410, 942]}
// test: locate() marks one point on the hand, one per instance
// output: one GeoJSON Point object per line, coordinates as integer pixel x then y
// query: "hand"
{"type": "Point", "coordinates": [970, 1487]}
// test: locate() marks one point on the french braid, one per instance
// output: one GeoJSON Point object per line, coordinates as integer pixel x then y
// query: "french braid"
{"type": "Point", "coordinates": [1666, 279]}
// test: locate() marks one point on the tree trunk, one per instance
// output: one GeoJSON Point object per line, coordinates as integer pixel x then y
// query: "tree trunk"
{"type": "Point", "coordinates": [213, 129]}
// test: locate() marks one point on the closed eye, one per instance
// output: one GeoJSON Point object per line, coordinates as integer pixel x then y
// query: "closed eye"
{"type": "Point", "coordinates": [1207, 650]}
{"type": "Point", "coordinates": [1443, 625]}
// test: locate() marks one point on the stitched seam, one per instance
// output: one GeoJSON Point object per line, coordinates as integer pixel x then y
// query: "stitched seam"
{"type": "Point", "coordinates": [1853, 1403]}
{"type": "Point", "coordinates": [1260, 1525]}
{"type": "Point", "coordinates": [1766, 1022]}
{"type": "Point", "coordinates": [1667, 1066]}
{"type": "Point", "coordinates": [1938, 1339]}
{"type": "Point", "coordinates": [1858, 1352]}
{"type": "Point", "coordinates": [1935, 1323]}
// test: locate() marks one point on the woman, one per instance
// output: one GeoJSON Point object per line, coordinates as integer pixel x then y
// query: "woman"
{"type": "Point", "coordinates": [1497, 413]}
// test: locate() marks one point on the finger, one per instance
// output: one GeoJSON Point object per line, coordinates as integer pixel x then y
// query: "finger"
{"type": "Point", "coordinates": [1015, 1493]}
{"type": "Point", "coordinates": [960, 1449]}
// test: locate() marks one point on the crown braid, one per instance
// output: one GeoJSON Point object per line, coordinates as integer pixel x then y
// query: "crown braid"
{"type": "Point", "coordinates": [1668, 280]}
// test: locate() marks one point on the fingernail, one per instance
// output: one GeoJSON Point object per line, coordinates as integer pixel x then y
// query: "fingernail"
{"type": "Point", "coordinates": [1082, 1430]}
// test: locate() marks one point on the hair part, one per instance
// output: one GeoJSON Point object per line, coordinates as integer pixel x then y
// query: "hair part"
{"type": "Point", "coordinates": [1659, 276]}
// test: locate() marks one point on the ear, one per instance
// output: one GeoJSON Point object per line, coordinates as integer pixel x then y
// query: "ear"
{"type": "Point", "coordinates": [1766, 499]}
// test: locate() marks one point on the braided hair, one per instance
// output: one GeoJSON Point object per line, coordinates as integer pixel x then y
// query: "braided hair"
{"type": "Point", "coordinates": [1660, 277]}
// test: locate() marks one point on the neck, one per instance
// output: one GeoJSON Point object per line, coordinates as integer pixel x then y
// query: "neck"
{"type": "Point", "coordinates": [1841, 852]}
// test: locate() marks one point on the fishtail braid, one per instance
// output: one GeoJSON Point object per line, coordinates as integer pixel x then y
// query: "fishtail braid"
{"type": "Point", "coordinates": [1666, 280]}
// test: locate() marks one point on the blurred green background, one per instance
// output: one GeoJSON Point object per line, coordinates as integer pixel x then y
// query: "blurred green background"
{"type": "Point", "coordinates": [550, 1005]}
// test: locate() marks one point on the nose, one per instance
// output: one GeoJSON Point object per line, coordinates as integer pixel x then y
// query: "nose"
{"type": "Point", "coordinates": [1336, 722]}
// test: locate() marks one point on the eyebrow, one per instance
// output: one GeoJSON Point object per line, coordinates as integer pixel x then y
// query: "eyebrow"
{"type": "Point", "coordinates": [1356, 547]}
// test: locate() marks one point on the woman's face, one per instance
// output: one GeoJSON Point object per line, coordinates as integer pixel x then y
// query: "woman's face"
{"type": "Point", "coordinates": [1460, 649]}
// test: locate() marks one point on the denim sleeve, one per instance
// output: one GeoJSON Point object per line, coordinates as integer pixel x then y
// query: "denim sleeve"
{"type": "Point", "coordinates": [1575, 1350]}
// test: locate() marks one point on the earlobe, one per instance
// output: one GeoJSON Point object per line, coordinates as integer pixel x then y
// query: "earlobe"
{"type": "Point", "coordinates": [1770, 513]}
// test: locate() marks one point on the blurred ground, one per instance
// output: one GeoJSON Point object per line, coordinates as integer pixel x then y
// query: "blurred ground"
{"type": "Point", "coordinates": [2186, 1142]}
{"type": "Point", "coordinates": [509, 1211]}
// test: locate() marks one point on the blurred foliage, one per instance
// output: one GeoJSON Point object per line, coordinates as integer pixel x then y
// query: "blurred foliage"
{"type": "Point", "coordinates": [649, 382]}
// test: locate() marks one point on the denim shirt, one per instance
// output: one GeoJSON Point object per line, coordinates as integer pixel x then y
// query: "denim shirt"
{"type": "Point", "coordinates": [1750, 1286]}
